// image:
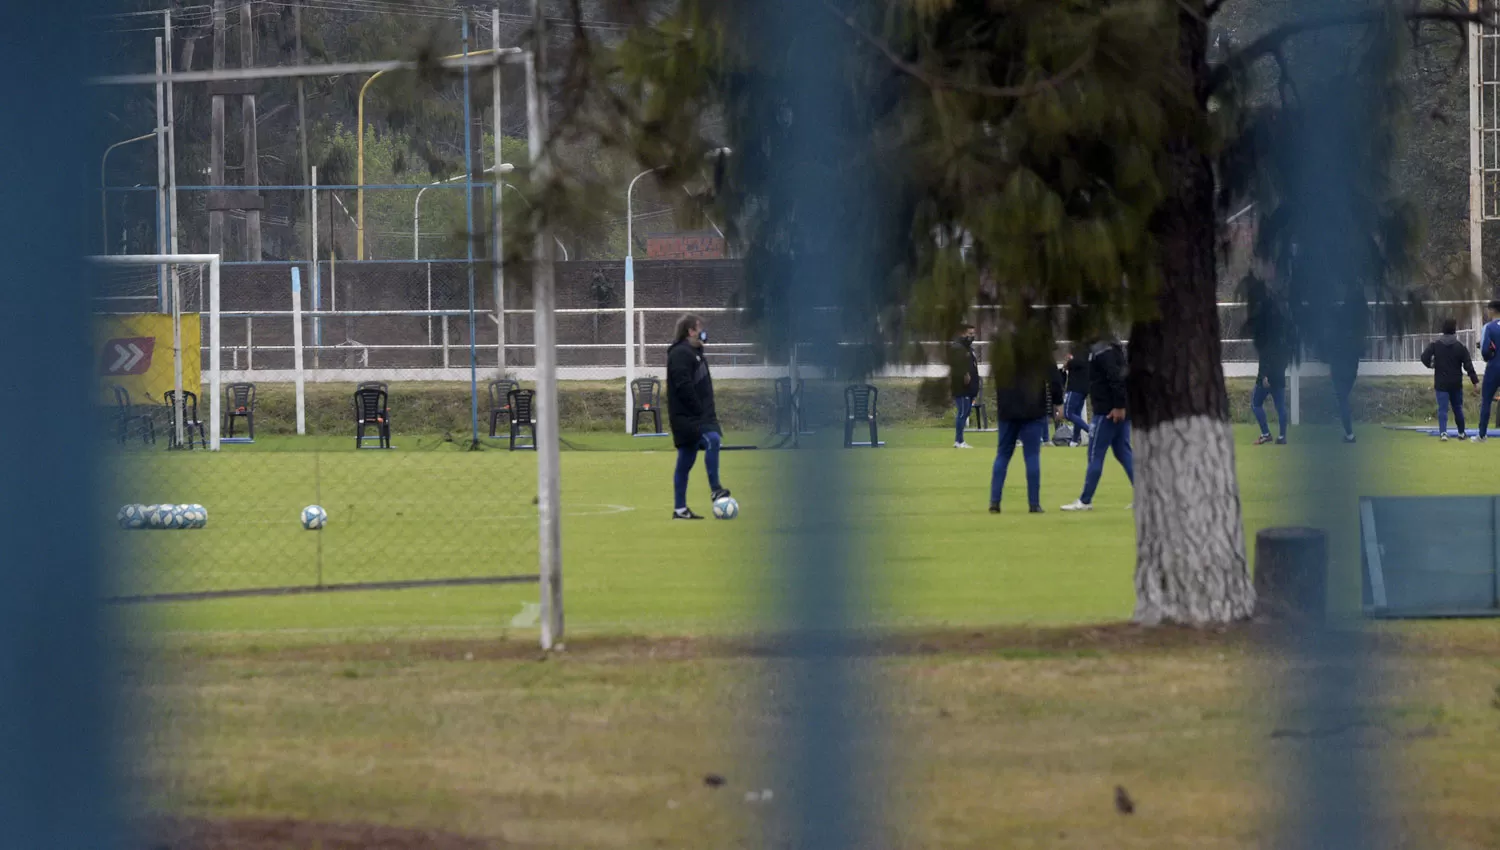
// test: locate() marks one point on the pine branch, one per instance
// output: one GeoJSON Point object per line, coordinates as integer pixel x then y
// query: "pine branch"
{"type": "Point", "coordinates": [938, 83]}
{"type": "Point", "coordinates": [1271, 43]}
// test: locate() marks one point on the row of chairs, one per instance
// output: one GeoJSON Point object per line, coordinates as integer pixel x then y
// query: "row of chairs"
{"type": "Point", "coordinates": [129, 416]}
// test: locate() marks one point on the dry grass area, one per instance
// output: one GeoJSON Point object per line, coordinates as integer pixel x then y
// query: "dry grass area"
{"type": "Point", "coordinates": [1004, 738]}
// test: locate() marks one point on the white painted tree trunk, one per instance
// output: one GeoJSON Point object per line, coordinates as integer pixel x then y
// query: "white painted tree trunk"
{"type": "Point", "coordinates": [1190, 537]}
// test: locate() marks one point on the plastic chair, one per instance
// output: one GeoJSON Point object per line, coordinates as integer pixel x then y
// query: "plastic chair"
{"type": "Point", "coordinates": [190, 421]}
{"type": "Point", "coordinates": [522, 415]}
{"type": "Point", "coordinates": [372, 410]}
{"type": "Point", "coordinates": [127, 414]}
{"type": "Point", "coordinates": [861, 405]}
{"type": "Point", "coordinates": [646, 399]}
{"type": "Point", "coordinates": [500, 402]}
{"type": "Point", "coordinates": [239, 404]}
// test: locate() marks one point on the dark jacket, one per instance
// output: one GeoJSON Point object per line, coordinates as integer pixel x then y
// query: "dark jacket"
{"type": "Point", "coordinates": [963, 370]}
{"type": "Point", "coordinates": [1273, 363]}
{"type": "Point", "coordinates": [1059, 387]}
{"type": "Point", "coordinates": [1449, 359]}
{"type": "Point", "coordinates": [1025, 398]}
{"type": "Point", "coordinates": [1077, 368]}
{"type": "Point", "coordinates": [690, 394]}
{"type": "Point", "coordinates": [1106, 377]}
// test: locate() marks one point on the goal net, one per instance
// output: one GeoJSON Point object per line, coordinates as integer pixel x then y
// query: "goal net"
{"type": "Point", "coordinates": [156, 338]}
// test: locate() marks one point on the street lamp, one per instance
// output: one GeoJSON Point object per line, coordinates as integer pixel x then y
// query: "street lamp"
{"type": "Point", "coordinates": [527, 202]}
{"type": "Point", "coordinates": [712, 156]}
{"type": "Point", "coordinates": [104, 192]}
{"type": "Point", "coordinates": [416, 207]}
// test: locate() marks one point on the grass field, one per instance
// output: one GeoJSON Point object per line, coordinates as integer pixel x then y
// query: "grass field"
{"type": "Point", "coordinates": [424, 716]}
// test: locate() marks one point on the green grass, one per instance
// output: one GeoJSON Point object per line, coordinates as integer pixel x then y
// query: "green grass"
{"type": "Point", "coordinates": [932, 556]}
{"type": "Point", "coordinates": [343, 720]}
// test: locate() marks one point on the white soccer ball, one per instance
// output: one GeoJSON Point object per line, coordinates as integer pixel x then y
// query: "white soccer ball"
{"type": "Point", "coordinates": [314, 517]}
{"type": "Point", "coordinates": [726, 508]}
{"type": "Point", "coordinates": [178, 516]}
{"type": "Point", "coordinates": [157, 516]}
{"type": "Point", "coordinates": [132, 517]}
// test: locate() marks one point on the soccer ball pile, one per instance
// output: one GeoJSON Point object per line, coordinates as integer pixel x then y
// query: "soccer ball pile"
{"type": "Point", "coordinates": [134, 517]}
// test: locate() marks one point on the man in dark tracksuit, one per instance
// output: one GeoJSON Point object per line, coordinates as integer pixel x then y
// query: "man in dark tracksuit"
{"type": "Point", "coordinates": [1449, 359]}
{"type": "Point", "coordinates": [690, 404]}
{"type": "Point", "coordinates": [1111, 429]}
{"type": "Point", "coordinates": [1270, 382]}
{"type": "Point", "coordinates": [963, 375]}
{"type": "Point", "coordinates": [1489, 349]}
{"type": "Point", "coordinates": [1078, 390]}
{"type": "Point", "coordinates": [1022, 410]}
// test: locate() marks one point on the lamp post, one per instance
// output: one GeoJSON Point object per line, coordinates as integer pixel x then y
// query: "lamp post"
{"type": "Point", "coordinates": [630, 364]}
{"type": "Point", "coordinates": [103, 190]}
{"type": "Point", "coordinates": [416, 207]}
{"type": "Point", "coordinates": [527, 202]}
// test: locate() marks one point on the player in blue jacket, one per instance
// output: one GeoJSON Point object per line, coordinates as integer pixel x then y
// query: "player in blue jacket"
{"type": "Point", "coordinates": [1489, 350]}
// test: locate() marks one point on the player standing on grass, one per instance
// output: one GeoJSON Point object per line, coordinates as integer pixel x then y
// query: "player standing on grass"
{"type": "Point", "coordinates": [690, 409]}
{"type": "Point", "coordinates": [963, 374]}
{"type": "Point", "coordinates": [1111, 429]}
{"type": "Point", "coordinates": [1077, 392]}
{"type": "Point", "coordinates": [1489, 349]}
{"type": "Point", "coordinates": [1270, 381]}
{"type": "Point", "coordinates": [1448, 359]}
{"type": "Point", "coordinates": [1022, 410]}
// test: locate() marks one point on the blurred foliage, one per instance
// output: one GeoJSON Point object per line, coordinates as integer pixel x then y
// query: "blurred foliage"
{"type": "Point", "coordinates": [1022, 157]}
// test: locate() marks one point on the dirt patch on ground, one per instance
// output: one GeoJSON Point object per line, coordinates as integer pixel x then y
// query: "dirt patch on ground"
{"type": "Point", "coordinates": [1113, 639]}
{"type": "Point", "coordinates": [286, 834]}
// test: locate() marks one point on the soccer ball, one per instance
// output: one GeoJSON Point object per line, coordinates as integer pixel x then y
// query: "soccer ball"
{"type": "Point", "coordinates": [132, 517]}
{"type": "Point", "coordinates": [177, 516]}
{"type": "Point", "coordinates": [157, 516]}
{"type": "Point", "coordinates": [726, 508]}
{"type": "Point", "coordinates": [314, 517]}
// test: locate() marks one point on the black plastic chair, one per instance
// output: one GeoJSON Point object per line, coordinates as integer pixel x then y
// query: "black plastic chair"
{"type": "Point", "coordinates": [239, 403]}
{"type": "Point", "coordinates": [372, 410]}
{"type": "Point", "coordinates": [522, 416]}
{"type": "Point", "coordinates": [979, 415]}
{"type": "Point", "coordinates": [190, 421]}
{"type": "Point", "coordinates": [861, 405]}
{"type": "Point", "coordinates": [128, 414]}
{"type": "Point", "coordinates": [645, 394]}
{"type": "Point", "coordinates": [500, 402]}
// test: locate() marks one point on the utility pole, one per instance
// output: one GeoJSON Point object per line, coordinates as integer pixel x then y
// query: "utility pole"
{"type": "Point", "coordinates": [216, 139]}
{"type": "Point", "coordinates": [544, 303]}
{"type": "Point", "coordinates": [312, 208]}
{"type": "Point", "coordinates": [251, 148]}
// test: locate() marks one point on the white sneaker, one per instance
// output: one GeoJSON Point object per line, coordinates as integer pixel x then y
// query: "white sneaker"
{"type": "Point", "coordinates": [1078, 506]}
{"type": "Point", "coordinates": [962, 446]}
{"type": "Point", "coordinates": [1478, 439]}
{"type": "Point", "coordinates": [1442, 438]}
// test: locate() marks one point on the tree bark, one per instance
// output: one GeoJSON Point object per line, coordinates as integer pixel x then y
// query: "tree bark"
{"type": "Point", "coordinates": [1190, 541]}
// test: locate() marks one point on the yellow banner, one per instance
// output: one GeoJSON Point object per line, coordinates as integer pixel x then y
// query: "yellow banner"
{"type": "Point", "coordinates": [135, 352]}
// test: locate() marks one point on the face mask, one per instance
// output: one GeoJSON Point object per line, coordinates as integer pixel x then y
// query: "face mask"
{"type": "Point", "coordinates": [703, 336]}
{"type": "Point", "coordinates": [968, 341]}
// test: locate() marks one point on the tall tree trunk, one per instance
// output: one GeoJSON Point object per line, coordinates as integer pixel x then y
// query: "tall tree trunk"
{"type": "Point", "coordinates": [1190, 540]}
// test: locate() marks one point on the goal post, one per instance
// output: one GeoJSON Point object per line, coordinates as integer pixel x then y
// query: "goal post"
{"type": "Point", "coordinates": [175, 262]}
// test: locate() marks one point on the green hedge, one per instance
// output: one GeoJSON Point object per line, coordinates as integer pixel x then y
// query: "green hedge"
{"type": "Point", "coordinates": [435, 408]}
